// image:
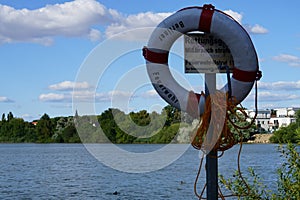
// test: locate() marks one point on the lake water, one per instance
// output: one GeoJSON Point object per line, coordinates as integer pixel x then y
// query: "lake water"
{"type": "Point", "coordinates": [69, 171]}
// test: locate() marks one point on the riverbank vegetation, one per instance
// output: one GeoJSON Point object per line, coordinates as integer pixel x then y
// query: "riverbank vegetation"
{"type": "Point", "coordinates": [143, 127]}
{"type": "Point", "coordinates": [253, 188]}
{"type": "Point", "coordinates": [116, 126]}
{"type": "Point", "coordinates": [112, 125]}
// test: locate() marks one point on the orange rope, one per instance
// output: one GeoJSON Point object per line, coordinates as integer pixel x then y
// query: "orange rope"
{"type": "Point", "coordinates": [197, 178]}
{"type": "Point", "coordinates": [216, 118]}
{"type": "Point", "coordinates": [212, 118]}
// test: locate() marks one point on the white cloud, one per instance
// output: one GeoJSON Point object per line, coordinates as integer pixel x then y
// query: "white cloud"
{"type": "Point", "coordinates": [94, 35]}
{"type": "Point", "coordinates": [5, 100]}
{"type": "Point", "coordinates": [78, 18]}
{"type": "Point", "coordinates": [291, 60]}
{"type": "Point", "coordinates": [68, 85]}
{"type": "Point", "coordinates": [86, 96]}
{"type": "Point", "coordinates": [150, 19]}
{"type": "Point", "coordinates": [70, 19]}
{"type": "Point", "coordinates": [120, 94]}
{"type": "Point", "coordinates": [270, 96]}
{"type": "Point", "coordinates": [256, 29]}
{"type": "Point", "coordinates": [268, 105]}
{"type": "Point", "coordinates": [150, 94]}
{"type": "Point", "coordinates": [83, 96]}
{"type": "Point", "coordinates": [264, 85]}
{"type": "Point", "coordinates": [140, 20]}
{"type": "Point", "coordinates": [52, 97]}
{"type": "Point", "coordinates": [280, 85]}
{"type": "Point", "coordinates": [275, 94]}
{"type": "Point", "coordinates": [235, 15]}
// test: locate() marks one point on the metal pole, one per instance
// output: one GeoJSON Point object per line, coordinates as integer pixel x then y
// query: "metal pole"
{"type": "Point", "coordinates": [211, 158]}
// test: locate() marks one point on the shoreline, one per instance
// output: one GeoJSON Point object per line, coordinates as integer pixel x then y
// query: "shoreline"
{"type": "Point", "coordinates": [261, 138]}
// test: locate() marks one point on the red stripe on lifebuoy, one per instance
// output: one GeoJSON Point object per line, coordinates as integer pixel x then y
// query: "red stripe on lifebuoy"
{"type": "Point", "coordinates": [245, 76]}
{"type": "Point", "coordinates": [206, 18]}
{"type": "Point", "coordinates": [155, 57]}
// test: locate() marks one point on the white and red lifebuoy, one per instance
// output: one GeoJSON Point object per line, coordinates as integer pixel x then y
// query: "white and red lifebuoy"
{"type": "Point", "coordinates": [209, 20]}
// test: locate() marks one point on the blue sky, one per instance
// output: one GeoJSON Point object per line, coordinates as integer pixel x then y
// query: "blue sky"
{"type": "Point", "coordinates": [45, 44]}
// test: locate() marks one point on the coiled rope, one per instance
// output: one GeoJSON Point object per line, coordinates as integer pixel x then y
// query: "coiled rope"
{"type": "Point", "coordinates": [226, 139]}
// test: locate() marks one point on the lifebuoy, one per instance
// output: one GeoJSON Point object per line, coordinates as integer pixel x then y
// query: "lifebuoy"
{"type": "Point", "coordinates": [209, 20]}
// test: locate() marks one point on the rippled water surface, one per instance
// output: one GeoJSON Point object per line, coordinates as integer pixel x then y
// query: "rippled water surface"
{"type": "Point", "coordinates": [68, 171]}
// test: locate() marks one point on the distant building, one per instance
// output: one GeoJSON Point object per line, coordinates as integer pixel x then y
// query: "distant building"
{"type": "Point", "coordinates": [278, 122]}
{"type": "Point", "coordinates": [271, 120]}
{"type": "Point", "coordinates": [286, 112]}
{"type": "Point", "coordinates": [262, 119]}
{"type": "Point", "coordinates": [284, 117]}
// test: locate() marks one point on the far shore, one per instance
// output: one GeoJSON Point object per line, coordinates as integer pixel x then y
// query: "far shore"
{"type": "Point", "coordinates": [261, 138]}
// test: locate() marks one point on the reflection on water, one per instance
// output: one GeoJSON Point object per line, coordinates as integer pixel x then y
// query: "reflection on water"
{"type": "Point", "coordinates": [59, 171]}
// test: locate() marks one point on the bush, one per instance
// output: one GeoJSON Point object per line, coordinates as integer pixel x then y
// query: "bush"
{"type": "Point", "coordinates": [289, 174]}
{"type": "Point", "coordinates": [288, 184]}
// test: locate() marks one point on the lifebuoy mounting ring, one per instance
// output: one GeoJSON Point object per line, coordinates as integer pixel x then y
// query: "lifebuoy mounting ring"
{"type": "Point", "coordinates": [209, 20]}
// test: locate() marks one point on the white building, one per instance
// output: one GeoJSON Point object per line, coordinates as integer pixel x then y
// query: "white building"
{"type": "Point", "coordinates": [270, 120]}
{"type": "Point", "coordinates": [278, 122]}
{"type": "Point", "coordinates": [286, 112]}
{"type": "Point", "coordinates": [262, 119]}
{"type": "Point", "coordinates": [283, 117]}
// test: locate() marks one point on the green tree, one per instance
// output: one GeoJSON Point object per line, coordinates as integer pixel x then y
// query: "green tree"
{"type": "Point", "coordinates": [173, 115]}
{"type": "Point", "coordinates": [288, 134]}
{"type": "Point", "coordinates": [69, 134]}
{"type": "Point", "coordinates": [241, 121]}
{"type": "Point", "coordinates": [30, 132]}
{"type": "Point", "coordinates": [108, 124]}
{"type": "Point", "coordinates": [10, 116]}
{"type": "Point", "coordinates": [4, 132]}
{"type": "Point", "coordinates": [3, 118]}
{"type": "Point", "coordinates": [141, 118]}
{"type": "Point", "coordinates": [16, 130]}
{"type": "Point", "coordinates": [17, 126]}
{"type": "Point", "coordinates": [45, 129]}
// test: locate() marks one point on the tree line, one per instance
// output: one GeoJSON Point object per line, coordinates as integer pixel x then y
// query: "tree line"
{"type": "Point", "coordinates": [43, 130]}
{"type": "Point", "coordinates": [112, 125]}
{"type": "Point", "coordinates": [143, 127]}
